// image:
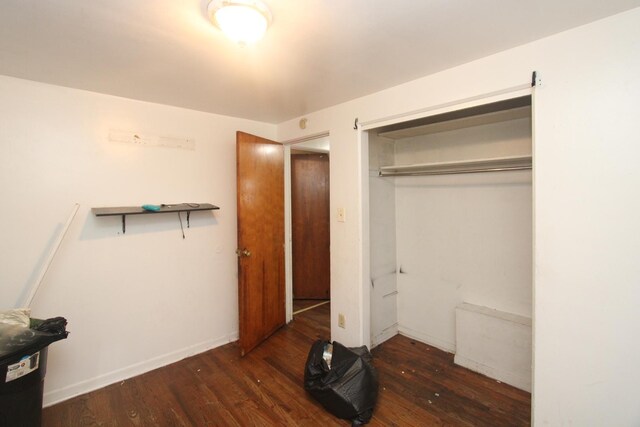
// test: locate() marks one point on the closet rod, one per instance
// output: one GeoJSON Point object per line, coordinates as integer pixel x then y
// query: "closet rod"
{"type": "Point", "coordinates": [452, 172]}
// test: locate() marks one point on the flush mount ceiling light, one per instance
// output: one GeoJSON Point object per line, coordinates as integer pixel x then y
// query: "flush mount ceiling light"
{"type": "Point", "coordinates": [243, 21]}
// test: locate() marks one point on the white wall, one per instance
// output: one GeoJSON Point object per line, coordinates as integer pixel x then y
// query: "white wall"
{"type": "Point", "coordinates": [461, 238]}
{"type": "Point", "coordinates": [134, 301]}
{"type": "Point", "coordinates": [586, 232]}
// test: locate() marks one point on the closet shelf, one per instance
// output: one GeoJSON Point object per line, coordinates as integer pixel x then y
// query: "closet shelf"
{"type": "Point", "coordinates": [137, 210]}
{"type": "Point", "coordinates": [435, 126]}
{"type": "Point", "coordinates": [496, 164]}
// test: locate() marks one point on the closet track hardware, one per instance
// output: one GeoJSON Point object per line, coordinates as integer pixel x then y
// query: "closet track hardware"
{"type": "Point", "coordinates": [499, 164]}
{"type": "Point", "coordinates": [535, 79]}
{"type": "Point", "coordinates": [123, 211]}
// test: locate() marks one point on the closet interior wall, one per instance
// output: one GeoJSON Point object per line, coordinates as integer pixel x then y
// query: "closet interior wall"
{"type": "Point", "coordinates": [443, 240]}
{"type": "Point", "coordinates": [383, 249]}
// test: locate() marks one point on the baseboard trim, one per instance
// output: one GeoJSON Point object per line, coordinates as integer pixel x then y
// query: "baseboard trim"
{"type": "Point", "coordinates": [386, 334]}
{"type": "Point", "coordinates": [518, 381]}
{"type": "Point", "coordinates": [427, 339]}
{"type": "Point", "coordinates": [56, 396]}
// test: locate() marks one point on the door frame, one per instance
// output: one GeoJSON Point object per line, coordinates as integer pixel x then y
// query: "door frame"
{"type": "Point", "coordinates": [288, 225]}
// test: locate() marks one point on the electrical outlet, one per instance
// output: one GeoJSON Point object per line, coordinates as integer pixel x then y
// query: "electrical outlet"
{"type": "Point", "coordinates": [341, 321]}
{"type": "Point", "coordinates": [341, 215]}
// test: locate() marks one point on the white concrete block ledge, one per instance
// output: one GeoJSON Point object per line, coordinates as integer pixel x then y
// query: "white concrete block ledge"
{"type": "Point", "coordinates": [494, 343]}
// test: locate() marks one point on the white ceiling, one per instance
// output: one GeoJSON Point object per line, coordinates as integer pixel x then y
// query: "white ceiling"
{"type": "Point", "coordinates": [317, 53]}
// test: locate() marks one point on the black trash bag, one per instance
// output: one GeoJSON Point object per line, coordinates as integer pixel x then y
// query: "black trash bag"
{"type": "Point", "coordinates": [54, 325]}
{"type": "Point", "coordinates": [347, 386]}
{"type": "Point", "coordinates": [15, 340]}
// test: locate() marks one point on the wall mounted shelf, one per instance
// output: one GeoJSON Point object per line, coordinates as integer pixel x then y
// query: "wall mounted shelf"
{"type": "Point", "coordinates": [123, 211]}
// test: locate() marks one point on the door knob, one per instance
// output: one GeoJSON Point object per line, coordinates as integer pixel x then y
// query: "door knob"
{"type": "Point", "coordinates": [243, 252]}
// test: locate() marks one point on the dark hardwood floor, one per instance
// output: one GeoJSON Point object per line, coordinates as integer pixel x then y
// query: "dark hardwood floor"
{"type": "Point", "coordinates": [419, 386]}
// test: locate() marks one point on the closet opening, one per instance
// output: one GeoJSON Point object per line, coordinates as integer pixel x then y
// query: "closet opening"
{"type": "Point", "coordinates": [450, 236]}
{"type": "Point", "coordinates": [310, 231]}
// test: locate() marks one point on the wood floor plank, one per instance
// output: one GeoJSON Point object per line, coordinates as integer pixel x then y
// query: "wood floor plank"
{"type": "Point", "coordinates": [419, 386]}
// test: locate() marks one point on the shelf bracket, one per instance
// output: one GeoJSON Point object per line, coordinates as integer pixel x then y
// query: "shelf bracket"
{"type": "Point", "coordinates": [188, 215]}
{"type": "Point", "coordinates": [124, 227]}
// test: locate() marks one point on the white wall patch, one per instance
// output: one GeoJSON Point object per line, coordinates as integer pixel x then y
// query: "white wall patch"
{"type": "Point", "coordinates": [147, 140]}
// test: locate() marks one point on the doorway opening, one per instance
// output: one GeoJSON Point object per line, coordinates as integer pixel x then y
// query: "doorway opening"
{"type": "Point", "coordinates": [309, 237]}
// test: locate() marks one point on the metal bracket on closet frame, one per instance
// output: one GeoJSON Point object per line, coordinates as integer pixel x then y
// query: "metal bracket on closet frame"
{"type": "Point", "coordinates": [535, 79]}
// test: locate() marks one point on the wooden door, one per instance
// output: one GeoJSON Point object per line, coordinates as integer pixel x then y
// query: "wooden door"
{"type": "Point", "coordinates": [310, 221]}
{"type": "Point", "coordinates": [260, 170]}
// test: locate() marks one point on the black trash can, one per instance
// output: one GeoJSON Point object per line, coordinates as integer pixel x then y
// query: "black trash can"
{"type": "Point", "coordinates": [23, 365]}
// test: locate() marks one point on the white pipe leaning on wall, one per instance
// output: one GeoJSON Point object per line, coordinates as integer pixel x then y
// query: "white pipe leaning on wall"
{"type": "Point", "coordinates": [43, 272]}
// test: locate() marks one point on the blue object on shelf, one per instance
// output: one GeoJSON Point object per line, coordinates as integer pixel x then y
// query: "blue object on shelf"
{"type": "Point", "coordinates": [154, 208]}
